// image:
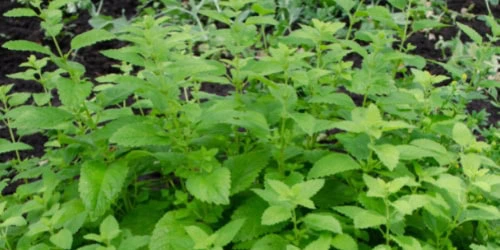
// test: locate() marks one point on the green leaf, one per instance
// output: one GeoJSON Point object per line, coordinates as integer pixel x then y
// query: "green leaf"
{"type": "Point", "coordinates": [20, 12]}
{"type": "Point", "coordinates": [19, 98]}
{"type": "Point", "coordinates": [388, 154]}
{"type": "Point", "coordinates": [262, 20]}
{"type": "Point", "coordinates": [407, 242]}
{"type": "Point", "coordinates": [252, 228]}
{"type": "Point", "coordinates": [245, 168]}
{"type": "Point", "coordinates": [409, 203]}
{"type": "Point", "coordinates": [367, 219]}
{"type": "Point", "coordinates": [23, 45]}
{"type": "Point", "coordinates": [400, 4]}
{"type": "Point", "coordinates": [62, 239]}
{"type": "Point", "coordinates": [419, 25]}
{"type": "Point", "coordinates": [344, 242]}
{"type": "Point", "coordinates": [7, 146]}
{"type": "Point", "coordinates": [29, 117]}
{"type": "Point", "coordinates": [331, 164]}
{"type": "Point", "coordinates": [322, 243]}
{"type": "Point", "coordinates": [140, 134]}
{"type": "Point", "coordinates": [227, 233]}
{"type": "Point", "coordinates": [376, 187]}
{"type": "Point", "coordinates": [100, 184]}
{"type": "Point", "coordinates": [90, 37]}
{"type": "Point", "coordinates": [16, 221]}
{"type": "Point", "coordinates": [462, 135]}
{"type": "Point", "coordinates": [276, 214]}
{"type": "Point", "coordinates": [307, 189]}
{"type": "Point", "coordinates": [347, 5]}
{"type": "Point", "coordinates": [109, 228]}
{"type": "Point", "coordinates": [170, 233]}
{"type": "Point", "coordinates": [480, 212]}
{"type": "Point", "coordinates": [201, 239]}
{"type": "Point", "coordinates": [322, 222]}
{"type": "Point", "coordinates": [471, 33]}
{"type": "Point", "coordinates": [211, 187]}
{"type": "Point", "coordinates": [73, 94]}
{"type": "Point", "coordinates": [270, 242]}
{"type": "Point", "coordinates": [470, 164]}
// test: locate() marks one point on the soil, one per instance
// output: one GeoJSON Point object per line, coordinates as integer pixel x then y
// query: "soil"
{"type": "Point", "coordinates": [97, 65]}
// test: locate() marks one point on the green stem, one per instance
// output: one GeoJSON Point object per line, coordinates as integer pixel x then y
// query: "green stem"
{"type": "Point", "coordinates": [295, 228]}
{"type": "Point", "coordinates": [59, 51]}
{"type": "Point", "coordinates": [403, 39]}
{"type": "Point", "coordinates": [388, 222]}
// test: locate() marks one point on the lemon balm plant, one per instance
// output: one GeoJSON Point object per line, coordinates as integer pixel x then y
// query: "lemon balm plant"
{"type": "Point", "coordinates": [146, 159]}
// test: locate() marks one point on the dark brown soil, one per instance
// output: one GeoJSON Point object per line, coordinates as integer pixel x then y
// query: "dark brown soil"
{"type": "Point", "coordinates": [96, 64]}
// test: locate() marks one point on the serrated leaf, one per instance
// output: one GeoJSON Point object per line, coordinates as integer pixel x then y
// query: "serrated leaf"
{"type": "Point", "coordinates": [62, 239]}
{"type": "Point", "coordinates": [227, 233]}
{"type": "Point", "coordinates": [211, 187]}
{"type": "Point", "coordinates": [140, 134]}
{"type": "Point", "coordinates": [388, 154]}
{"type": "Point", "coordinates": [245, 168]}
{"type": "Point", "coordinates": [409, 203]}
{"type": "Point", "coordinates": [331, 164]}
{"type": "Point", "coordinates": [29, 117]}
{"type": "Point", "coordinates": [270, 242]}
{"type": "Point", "coordinates": [73, 94]}
{"type": "Point", "coordinates": [322, 243]}
{"type": "Point", "coordinates": [109, 228]}
{"type": "Point", "coordinates": [407, 242]}
{"type": "Point", "coordinates": [14, 221]}
{"type": "Point", "coordinates": [90, 37]}
{"type": "Point", "coordinates": [276, 214]}
{"type": "Point", "coordinates": [344, 242]}
{"type": "Point", "coordinates": [7, 146]}
{"type": "Point", "coordinates": [307, 189]}
{"type": "Point", "coordinates": [347, 5]}
{"type": "Point", "coordinates": [23, 45]}
{"type": "Point", "coordinates": [480, 212]}
{"type": "Point", "coordinates": [20, 12]}
{"type": "Point", "coordinates": [100, 184]}
{"type": "Point", "coordinates": [252, 228]}
{"type": "Point", "coordinates": [323, 222]}
{"type": "Point", "coordinates": [367, 219]}
{"type": "Point", "coordinates": [169, 232]}
{"type": "Point", "coordinates": [269, 20]}
{"type": "Point", "coordinates": [201, 239]}
{"type": "Point", "coordinates": [376, 187]}
{"type": "Point", "coordinates": [462, 135]}
{"type": "Point", "coordinates": [419, 25]}
{"type": "Point", "coordinates": [471, 33]}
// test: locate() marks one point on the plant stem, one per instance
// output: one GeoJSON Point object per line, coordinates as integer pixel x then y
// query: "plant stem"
{"type": "Point", "coordinates": [405, 31]}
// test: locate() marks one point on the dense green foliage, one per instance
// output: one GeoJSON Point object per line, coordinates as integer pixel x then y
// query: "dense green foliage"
{"type": "Point", "coordinates": [308, 151]}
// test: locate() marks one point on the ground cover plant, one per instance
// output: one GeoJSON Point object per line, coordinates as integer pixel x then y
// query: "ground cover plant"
{"type": "Point", "coordinates": [252, 124]}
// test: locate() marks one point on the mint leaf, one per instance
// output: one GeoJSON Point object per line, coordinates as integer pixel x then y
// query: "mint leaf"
{"type": "Point", "coordinates": [100, 184]}
{"type": "Point", "coordinates": [388, 154]}
{"type": "Point", "coordinates": [245, 168]}
{"type": "Point", "coordinates": [323, 222]}
{"type": "Point", "coordinates": [211, 187]}
{"type": "Point", "coordinates": [90, 37]}
{"type": "Point", "coordinates": [109, 228]}
{"type": "Point", "coordinates": [20, 12]}
{"type": "Point", "coordinates": [140, 134]}
{"type": "Point", "coordinates": [62, 239]}
{"type": "Point", "coordinates": [7, 146]}
{"type": "Point", "coordinates": [29, 117]}
{"type": "Point", "coordinates": [23, 45]}
{"type": "Point", "coordinates": [276, 214]}
{"type": "Point", "coordinates": [331, 164]}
